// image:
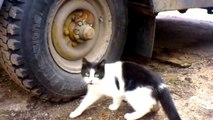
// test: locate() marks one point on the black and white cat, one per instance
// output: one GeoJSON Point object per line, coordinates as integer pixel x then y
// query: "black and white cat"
{"type": "Point", "coordinates": [140, 87]}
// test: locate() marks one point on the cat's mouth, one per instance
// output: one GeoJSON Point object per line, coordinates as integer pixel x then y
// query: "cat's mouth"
{"type": "Point", "coordinates": [90, 83]}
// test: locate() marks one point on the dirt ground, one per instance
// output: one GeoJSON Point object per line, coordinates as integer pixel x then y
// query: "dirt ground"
{"type": "Point", "coordinates": [185, 63]}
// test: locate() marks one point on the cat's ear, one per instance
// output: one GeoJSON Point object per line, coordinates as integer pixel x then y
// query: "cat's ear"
{"type": "Point", "coordinates": [102, 63]}
{"type": "Point", "coordinates": [85, 62]}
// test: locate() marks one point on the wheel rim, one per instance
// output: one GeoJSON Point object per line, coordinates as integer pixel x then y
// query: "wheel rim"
{"type": "Point", "coordinates": [77, 29]}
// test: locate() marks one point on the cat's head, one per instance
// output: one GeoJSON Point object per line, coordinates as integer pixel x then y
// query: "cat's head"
{"type": "Point", "coordinates": [92, 72]}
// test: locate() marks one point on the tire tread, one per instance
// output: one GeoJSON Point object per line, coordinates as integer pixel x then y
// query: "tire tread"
{"type": "Point", "coordinates": [11, 56]}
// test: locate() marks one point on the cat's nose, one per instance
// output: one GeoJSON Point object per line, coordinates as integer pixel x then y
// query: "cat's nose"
{"type": "Point", "coordinates": [90, 82]}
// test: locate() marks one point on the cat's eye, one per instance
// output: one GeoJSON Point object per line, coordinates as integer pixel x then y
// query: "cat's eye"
{"type": "Point", "coordinates": [96, 75]}
{"type": "Point", "coordinates": [87, 74]}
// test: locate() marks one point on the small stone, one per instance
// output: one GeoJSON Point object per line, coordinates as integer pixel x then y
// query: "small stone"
{"type": "Point", "coordinates": [46, 114]}
{"type": "Point", "coordinates": [89, 118]}
{"type": "Point", "coordinates": [182, 78]}
{"type": "Point", "coordinates": [185, 73]}
{"type": "Point", "coordinates": [13, 114]}
{"type": "Point", "coordinates": [204, 77]}
{"type": "Point", "coordinates": [188, 79]}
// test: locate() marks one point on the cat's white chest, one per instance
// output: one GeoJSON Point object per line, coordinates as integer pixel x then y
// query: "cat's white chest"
{"type": "Point", "coordinates": [106, 89]}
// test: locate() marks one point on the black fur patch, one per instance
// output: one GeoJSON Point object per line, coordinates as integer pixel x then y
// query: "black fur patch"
{"type": "Point", "coordinates": [137, 76]}
{"type": "Point", "coordinates": [117, 83]}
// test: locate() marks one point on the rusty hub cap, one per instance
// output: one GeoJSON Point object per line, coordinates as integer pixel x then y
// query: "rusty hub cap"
{"type": "Point", "coordinates": [79, 27]}
{"type": "Point", "coordinates": [75, 29]}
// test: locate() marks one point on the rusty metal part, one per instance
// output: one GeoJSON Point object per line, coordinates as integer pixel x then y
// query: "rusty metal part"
{"type": "Point", "coordinates": [79, 27]}
{"type": "Point", "coordinates": [142, 8]}
{"type": "Point", "coordinates": [142, 29]}
{"type": "Point", "coordinates": [141, 33]}
{"type": "Point", "coordinates": [74, 44]}
{"type": "Point", "coordinates": [145, 37]}
{"type": "Point", "coordinates": [166, 5]}
{"type": "Point", "coordinates": [86, 32]}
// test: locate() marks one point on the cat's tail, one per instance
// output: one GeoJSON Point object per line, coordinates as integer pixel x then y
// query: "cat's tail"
{"type": "Point", "coordinates": [167, 104]}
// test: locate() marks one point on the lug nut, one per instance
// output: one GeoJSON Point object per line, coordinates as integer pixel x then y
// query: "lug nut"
{"type": "Point", "coordinates": [101, 19]}
{"type": "Point", "coordinates": [74, 44]}
{"type": "Point", "coordinates": [80, 23]}
{"type": "Point", "coordinates": [76, 36]}
{"type": "Point", "coordinates": [88, 33]}
{"type": "Point", "coordinates": [73, 17]}
{"type": "Point", "coordinates": [66, 31]}
{"type": "Point", "coordinates": [76, 32]}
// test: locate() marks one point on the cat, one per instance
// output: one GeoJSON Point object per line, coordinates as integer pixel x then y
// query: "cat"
{"type": "Point", "coordinates": [140, 87]}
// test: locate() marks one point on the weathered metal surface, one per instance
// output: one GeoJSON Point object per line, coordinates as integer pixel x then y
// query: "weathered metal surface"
{"type": "Point", "coordinates": [1, 2]}
{"type": "Point", "coordinates": [165, 5]}
{"type": "Point", "coordinates": [146, 36]}
{"type": "Point", "coordinates": [141, 33]}
{"type": "Point", "coordinates": [140, 38]}
{"type": "Point", "coordinates": [142, 8]}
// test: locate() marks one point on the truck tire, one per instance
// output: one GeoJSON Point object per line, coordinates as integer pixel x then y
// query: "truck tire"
{"type": "Point", "coordinates": [42, 42]}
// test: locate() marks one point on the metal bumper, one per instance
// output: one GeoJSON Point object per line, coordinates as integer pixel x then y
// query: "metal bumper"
{"type": "Point", "coordinates": [166, 5]}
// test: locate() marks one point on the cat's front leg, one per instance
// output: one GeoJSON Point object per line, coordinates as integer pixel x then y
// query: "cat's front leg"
{"type": "Point", "coordinates": [116, 103]}
{"type": "Point", "coordinates": [89, 99]}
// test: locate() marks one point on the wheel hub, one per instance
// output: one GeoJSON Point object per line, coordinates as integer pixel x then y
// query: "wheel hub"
{"type": "Point", "coordinates": [79, 27]}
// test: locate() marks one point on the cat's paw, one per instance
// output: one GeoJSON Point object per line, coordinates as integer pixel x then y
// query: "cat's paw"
{"type": "Point", "coordinates": [128, 116]}
{"type": "Point", "coordinates": [74, 114]}
{"type": "Point", "coordinates": [113, 107]}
